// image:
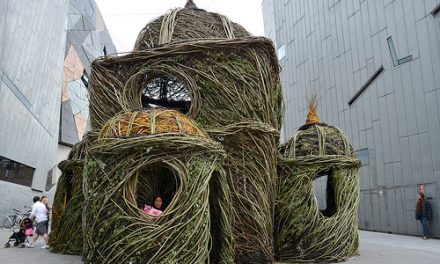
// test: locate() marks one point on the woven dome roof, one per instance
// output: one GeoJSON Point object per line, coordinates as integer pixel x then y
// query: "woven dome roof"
{"type": "Point", "coordinates": [307, 142]}
{"type": "Point", "coordinates": [149, 122]}
{"type": "Point", "coordinates": [188, 23]}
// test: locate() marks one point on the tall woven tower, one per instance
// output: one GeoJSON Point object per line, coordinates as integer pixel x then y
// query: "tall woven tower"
{"type": "Point", "coordinates": [227, 82]}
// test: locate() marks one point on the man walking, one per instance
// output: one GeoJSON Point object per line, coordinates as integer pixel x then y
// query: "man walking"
{"type": "Point", "coordinates": [39, 213]}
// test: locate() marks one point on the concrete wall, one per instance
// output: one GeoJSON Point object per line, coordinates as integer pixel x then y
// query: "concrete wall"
{"type": "Point", "coordinates": [36, 37]}
{"type": "Point", "coordinates": [332, 47]}
{"type": "Point", "coordinates": [31, 47]}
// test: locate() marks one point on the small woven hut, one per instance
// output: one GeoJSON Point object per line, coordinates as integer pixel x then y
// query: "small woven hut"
{"type": "Point", "coordinates": [303, 232]}
{"type": "Point", "coordinates": [142, 154]}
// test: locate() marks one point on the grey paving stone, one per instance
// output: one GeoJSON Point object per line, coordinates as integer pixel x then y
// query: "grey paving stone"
{"type": "Point", "coordinates": [374, 248]}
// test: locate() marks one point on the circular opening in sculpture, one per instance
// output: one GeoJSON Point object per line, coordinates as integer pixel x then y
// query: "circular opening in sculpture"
{"type": "Point", "coordinates": [165, 91]}
{"type": "Point", "coordinates": [156, 181]}
{"type": "Point", "coordinates": [324, 192]}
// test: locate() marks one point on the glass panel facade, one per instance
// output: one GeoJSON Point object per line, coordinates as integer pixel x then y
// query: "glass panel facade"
{"type": "Point", "coordinates": [79, 97]}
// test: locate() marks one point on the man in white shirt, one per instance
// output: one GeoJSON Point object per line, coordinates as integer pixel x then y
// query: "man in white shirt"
{"type": "Point", "coordinates": [39, 213]}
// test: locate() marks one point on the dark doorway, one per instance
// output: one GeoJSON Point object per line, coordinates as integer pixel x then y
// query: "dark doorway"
{"type": "Point", "coordinates": [154, 181]}
{"type": "Point", "coordinates": [324, 191]}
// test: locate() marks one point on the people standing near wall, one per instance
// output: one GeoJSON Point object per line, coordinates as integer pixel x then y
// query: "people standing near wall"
{"type": "Point", "coordinates": [45, 201]}
{"type": "Point", "coordinates": [39, 213]}
{"type": "Point", "coordinates": [424, 214]}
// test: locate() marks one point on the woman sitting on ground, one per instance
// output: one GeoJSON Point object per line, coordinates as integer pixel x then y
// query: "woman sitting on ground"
{"type": "Point", "coordinates": [155, 209]}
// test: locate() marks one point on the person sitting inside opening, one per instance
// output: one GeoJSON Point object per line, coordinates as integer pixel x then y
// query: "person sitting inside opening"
{"type": "Point", "coordinates": [156, 209]}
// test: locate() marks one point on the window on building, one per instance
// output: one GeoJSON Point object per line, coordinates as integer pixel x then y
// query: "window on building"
{"type": "Point", "coordinates": [325, 193]}
{"type": "Point", "coordinates": [15, 172]}
{"type": "Point", "coordinates": [436, 10]}
{"type": "Point", "coordinates": [394, 58]}
{"type": "Point", "coordinates": [51, 179]}
{"type": "Point", "coordinates": [366, 85]}
{"type": "Point", "coordinates": [281, 52]}
{"type": "Point", "coordinates": [104, 51]}
{"type": "Point", "coordinates": [392, 51]}
{"type": "Point", "coordinates": [362, 155]}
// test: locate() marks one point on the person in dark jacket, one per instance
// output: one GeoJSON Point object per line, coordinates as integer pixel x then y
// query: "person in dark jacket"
{"type": "Point", "coordinates": [424, 214]}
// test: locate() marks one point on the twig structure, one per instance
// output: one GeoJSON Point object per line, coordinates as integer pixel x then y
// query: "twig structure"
{"type": "Point", "coordinates": [193, 114]}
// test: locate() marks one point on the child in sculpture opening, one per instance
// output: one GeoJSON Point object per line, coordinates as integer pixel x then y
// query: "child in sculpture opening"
{"type": "Point", "coordinates": [424, 214]}
{"type": "Point", "coordinates": [156, 209]}
{"type": "Point", "coordinates": [39, 213]}
{"type": "Point", "coordinates": [45, 201]}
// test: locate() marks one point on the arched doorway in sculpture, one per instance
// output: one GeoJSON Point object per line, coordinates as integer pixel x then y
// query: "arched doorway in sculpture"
{"type": "Point", "coordinates": [156, 180]}
{"type": "Point", "coordinates": [323, 189]}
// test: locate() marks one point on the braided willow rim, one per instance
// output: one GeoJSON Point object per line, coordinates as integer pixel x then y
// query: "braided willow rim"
{"type": "Point", "coordinates": [302, 233]}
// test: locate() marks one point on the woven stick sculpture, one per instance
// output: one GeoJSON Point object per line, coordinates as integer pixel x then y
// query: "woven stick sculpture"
{"type": "Point", "coordinates": [303, 233]}
{"type": "Point", "coordinates": [117, 230]}
{"type": "Point", "coordinates": [214, 157]}
{"type": "Point", "coordinates": [66, 229]}
{"type": "Point", "coordinates": [234, 92]}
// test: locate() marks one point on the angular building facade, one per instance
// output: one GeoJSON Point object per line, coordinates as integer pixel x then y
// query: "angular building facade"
{"type": "Point", "coordinates": [375, 68]}
{"type": "Point", "coordinates": [46, 48]}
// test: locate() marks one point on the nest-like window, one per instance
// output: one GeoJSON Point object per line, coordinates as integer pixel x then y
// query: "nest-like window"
{"type": "Point", "coordinates": [153, 181]}
{"type": "Point", "coordinates": [165, 91]}
{"type": "Point", "coordinates": [325, 193]}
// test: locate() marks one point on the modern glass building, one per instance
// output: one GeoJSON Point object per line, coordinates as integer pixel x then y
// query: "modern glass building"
{"type": "Point", "coordinates": [46, 48]}
{"type": "Point", "coordinates": [375, 67]}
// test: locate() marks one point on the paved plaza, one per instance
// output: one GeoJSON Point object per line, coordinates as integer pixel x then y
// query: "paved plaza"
{"type": "Point", "coordinates": [375, 248]}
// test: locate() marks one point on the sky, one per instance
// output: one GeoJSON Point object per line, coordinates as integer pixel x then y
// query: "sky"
{"type": "Point", "coordinates": [125, 19]}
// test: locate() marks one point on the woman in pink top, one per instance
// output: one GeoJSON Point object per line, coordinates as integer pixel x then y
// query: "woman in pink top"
{"type": "Point", "coordinates": [156, 208]}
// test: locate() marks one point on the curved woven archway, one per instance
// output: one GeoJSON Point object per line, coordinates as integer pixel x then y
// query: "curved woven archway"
{"type": "Point", "coordinates": [155, 180]}
{"type": "Point", "coordinates": [118, 231]}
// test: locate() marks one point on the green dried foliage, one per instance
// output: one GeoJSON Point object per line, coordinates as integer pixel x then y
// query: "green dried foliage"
{"type": "Point", "coordinates": [228, 191]}
{"type": "Point", "coordinates": [302, 233]}
{"type": "Point", "coordinates": [251, 171]}
{"type": "Point", "coordinates": [317, 139]}
{"type": "Point", "coordinates": [228, 81]}
{"type": "Point", "coordinates": [235, 95]}
{"type": "Point", "coordinates": [184, 24]}
{"type": "Point", "coordinates": [66, 229]}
